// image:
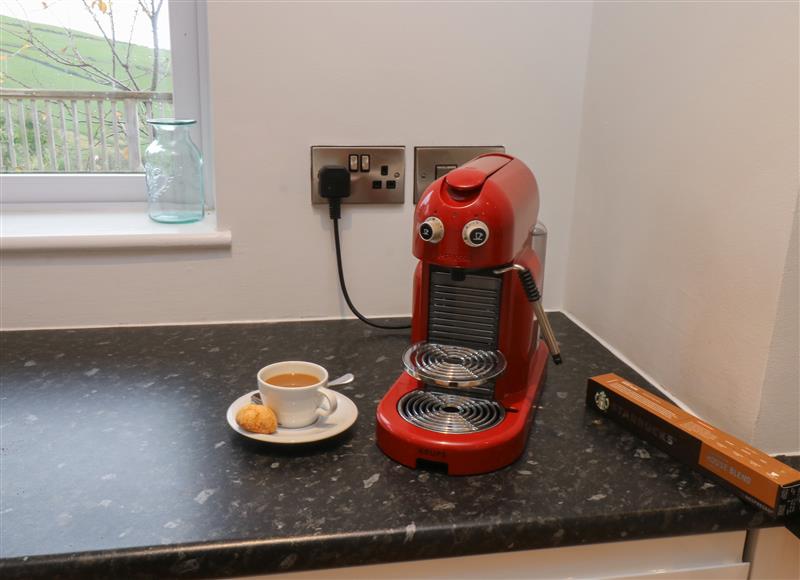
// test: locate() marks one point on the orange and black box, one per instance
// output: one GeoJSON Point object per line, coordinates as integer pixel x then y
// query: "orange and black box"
{"type": "Point", "coordinates": [752, 474]}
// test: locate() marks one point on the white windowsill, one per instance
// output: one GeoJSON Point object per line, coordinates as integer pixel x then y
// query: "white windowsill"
{"type": "Point", "coordinates": [100, 226]}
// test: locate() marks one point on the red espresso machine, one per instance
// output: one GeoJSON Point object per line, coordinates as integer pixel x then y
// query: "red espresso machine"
{"type": "Point", "coordinates": [475, 366]}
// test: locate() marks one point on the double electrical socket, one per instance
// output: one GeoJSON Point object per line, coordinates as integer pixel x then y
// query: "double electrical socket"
{"type": "Point", "coordinates": [377, 174]}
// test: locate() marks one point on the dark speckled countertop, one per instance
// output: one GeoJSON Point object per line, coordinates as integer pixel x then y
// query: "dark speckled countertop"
{"type": "Point", "coordinates": [117, 461]}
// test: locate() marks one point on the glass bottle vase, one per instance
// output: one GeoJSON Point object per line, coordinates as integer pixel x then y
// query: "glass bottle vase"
{"type": "Point", "coordinates": [173, 169]}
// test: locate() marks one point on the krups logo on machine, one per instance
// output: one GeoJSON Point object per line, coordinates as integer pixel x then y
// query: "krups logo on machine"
{"type": "Point", "coordinates": [601, 400]}
{"type": "Point", "coordinates": [431, 452]}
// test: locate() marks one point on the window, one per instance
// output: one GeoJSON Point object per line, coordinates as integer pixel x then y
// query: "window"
{"type": "Point", "coordinates": [78, 79]}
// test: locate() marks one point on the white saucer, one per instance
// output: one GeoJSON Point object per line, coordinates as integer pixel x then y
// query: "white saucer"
{"type": "Point", "coordinates": [340, 420]}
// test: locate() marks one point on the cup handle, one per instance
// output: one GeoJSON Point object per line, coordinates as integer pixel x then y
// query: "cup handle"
{"type": "Point", "coordinates": [332, 402]}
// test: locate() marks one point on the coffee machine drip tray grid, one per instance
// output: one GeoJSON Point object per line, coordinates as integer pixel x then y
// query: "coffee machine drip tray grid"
{"type": "Point", "coordinates": [450, 365]}
{"type": "Point", "coordinates": [445, 413]}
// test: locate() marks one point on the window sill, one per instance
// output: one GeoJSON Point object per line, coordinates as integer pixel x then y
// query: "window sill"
{"type": "Point", "coordinates": [100, 226]}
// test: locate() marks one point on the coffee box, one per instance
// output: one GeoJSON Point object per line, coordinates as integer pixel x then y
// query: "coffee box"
{"type": "Point", "coordinates": [752, 474]}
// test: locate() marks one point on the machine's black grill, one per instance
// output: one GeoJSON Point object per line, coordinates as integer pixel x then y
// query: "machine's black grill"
{"type": "Point", "coordinates": [464, 312]}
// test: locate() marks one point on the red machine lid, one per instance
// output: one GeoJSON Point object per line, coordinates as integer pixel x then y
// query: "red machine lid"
{"type": "Point", "coordinates": [471, 177]}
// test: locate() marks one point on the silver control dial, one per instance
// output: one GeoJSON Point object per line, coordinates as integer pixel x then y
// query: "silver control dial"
{"type": "Point", "coordinates": [432, 230]}
{"type": "Point", "coordinates": [475, 233]}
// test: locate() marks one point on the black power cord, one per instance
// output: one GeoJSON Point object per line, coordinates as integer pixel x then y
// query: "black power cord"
{"type": "Point", "coordinates": [334, 184]}
{"type": "Point", "coordinates": [342, 285]}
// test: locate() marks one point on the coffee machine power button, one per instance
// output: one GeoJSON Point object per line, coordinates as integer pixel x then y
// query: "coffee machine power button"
{"type": "Point", "coordinates": [432, 230]}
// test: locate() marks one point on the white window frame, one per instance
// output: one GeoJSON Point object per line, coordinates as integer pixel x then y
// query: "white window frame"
{"type": "Point", "coordinates": [189, 48]}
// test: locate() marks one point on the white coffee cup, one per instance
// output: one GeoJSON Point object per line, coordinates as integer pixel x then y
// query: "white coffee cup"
{"type": "Point", "coordinates": [296, 406]}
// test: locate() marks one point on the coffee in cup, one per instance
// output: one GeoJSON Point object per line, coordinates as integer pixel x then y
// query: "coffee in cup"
{"type": "Point", "coordinates": [295, 391]}
{"type": "Point", "coordinates": [293, 380]}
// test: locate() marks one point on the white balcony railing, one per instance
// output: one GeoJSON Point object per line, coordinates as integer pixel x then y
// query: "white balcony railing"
{"type": "Point", "coordinates": [76, 131]}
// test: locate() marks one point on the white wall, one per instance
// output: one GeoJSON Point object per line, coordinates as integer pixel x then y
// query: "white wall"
{"type": "Point", "coordinates": [687, 184]}
{"type": "Point", "coordinates": [778, 416]}
{"type": "Point", "coordinates": [287, 76]}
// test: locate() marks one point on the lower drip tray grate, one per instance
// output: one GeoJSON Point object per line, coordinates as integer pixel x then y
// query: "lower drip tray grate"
{"type": "Point", "coordinates": [444, 413]}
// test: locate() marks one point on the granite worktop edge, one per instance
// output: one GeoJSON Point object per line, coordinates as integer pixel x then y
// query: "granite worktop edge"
{"type": "Point", "coordinates": [263, 556]}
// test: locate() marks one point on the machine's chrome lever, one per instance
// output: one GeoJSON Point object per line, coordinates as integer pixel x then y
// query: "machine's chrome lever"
{"type": "Point", "coordinates": [535, 297]}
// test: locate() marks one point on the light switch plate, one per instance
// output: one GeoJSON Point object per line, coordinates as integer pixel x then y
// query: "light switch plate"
{"type": "Point", "coordinates": [383, 181]}
{"type": "Point", "coordinates": [426, 159]}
